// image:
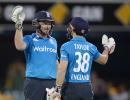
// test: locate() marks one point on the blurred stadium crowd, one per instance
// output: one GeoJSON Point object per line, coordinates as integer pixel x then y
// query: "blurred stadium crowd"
{"type": "Point", "coordinates": [111, 17]}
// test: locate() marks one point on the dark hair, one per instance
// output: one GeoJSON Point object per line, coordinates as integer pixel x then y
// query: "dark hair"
{"type": "Point", "coordinates": [81, 26]}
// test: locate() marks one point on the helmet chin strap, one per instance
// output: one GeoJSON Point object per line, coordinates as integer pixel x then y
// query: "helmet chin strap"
{"type": "Point", "coordinates": [41, 32]}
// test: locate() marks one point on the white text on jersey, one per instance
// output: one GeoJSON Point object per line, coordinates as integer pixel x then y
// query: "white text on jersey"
{"type": "Point", "coordinates": [81, 46]}
{"type": "Point", "coordinates": [79, 77]}
{"type": "Point", "coordinates": [44, 49]}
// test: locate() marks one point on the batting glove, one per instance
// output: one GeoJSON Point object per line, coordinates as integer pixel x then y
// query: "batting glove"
{"type": "Point", "coordinates": [109, 43]}
{"type": "Point", "coordinates": [18, 16]}
{"type": "Point", "coordinates": [53, 93]}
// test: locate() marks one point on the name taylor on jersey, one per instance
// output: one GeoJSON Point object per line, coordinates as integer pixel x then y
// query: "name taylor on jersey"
{"type": "Point", "coordinates": [81, 46]}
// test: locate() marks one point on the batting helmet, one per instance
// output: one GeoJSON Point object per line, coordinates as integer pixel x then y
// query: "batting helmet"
{"type": "Point", "coordinates": [42, 16]}
{"type": "Point", "coordinates": [81, 27]}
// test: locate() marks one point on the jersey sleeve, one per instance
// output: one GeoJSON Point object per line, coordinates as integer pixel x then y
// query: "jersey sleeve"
{"type": "Point", "coordinates": [96, 53]}
{"type": "Point", "coordinates": [63, 53]}
{"type": "Point", "coordinates": [27, 40]}
{"type": "Point", "coordinates": [56, 47]}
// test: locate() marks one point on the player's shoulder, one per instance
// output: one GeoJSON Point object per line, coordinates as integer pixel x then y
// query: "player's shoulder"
{"type": "Point", "coordinates": [29, 36]}
{"type": "Point", "coordinates": [91, 45]}
{"type": "Point", "coordinates": [52, 39]}
{"type": "Point", "coordinates": [66, 44]}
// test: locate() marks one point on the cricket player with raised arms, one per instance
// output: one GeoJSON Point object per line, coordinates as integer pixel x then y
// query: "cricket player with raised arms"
{"type": "Point", "coordinates": [40, 52]}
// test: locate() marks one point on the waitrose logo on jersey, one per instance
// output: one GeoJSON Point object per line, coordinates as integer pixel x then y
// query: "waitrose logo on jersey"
{"type": "Point", "coordinates": [44, 49]}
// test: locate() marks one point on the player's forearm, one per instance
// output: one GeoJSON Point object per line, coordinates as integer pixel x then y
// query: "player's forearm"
{"type": "Point", "coordinates": [105, 55]}
{"type": "Point", "coordinates": [61, 71]}
{"type": "Point", "coordinates": [18, 39]}
{"type": "Point", "coordinates": [60, 77]}
{"type": "Point", "coordinates": [103, 58]}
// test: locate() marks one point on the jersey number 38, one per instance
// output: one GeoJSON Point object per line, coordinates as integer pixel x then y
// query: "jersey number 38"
{"type": "Point", "coordinates": [82, 62]}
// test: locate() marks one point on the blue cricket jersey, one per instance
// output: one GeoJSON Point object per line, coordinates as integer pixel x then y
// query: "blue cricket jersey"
{"type": "Point", "coordinates": [41, 56]}
{"type": "Point", "coordinates": [79, 53]}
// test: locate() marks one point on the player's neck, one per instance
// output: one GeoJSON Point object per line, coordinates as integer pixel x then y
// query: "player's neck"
{"type": "Point", "coordinates": [42, 35]}
{"type": "Point", "coordinates": [74, 36]}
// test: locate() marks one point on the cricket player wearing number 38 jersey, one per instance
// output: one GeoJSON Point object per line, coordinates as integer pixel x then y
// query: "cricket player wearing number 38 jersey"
{"type": "Point", "coordinates": [76, 60]}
